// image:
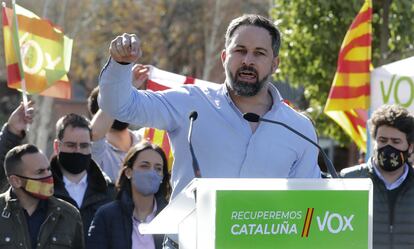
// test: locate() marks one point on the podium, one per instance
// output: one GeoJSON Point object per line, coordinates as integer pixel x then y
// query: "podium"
{"type": "Point", "coordinates": [260, 213]}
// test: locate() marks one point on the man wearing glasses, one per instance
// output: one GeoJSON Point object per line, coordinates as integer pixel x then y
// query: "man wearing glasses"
{"type": "Point", "coordinates": [78, 179]}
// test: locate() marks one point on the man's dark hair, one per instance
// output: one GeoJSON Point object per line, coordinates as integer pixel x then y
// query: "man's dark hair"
{"type": "Point", "coordinates": [394, 116]}
{"type": "Point", "coordinates": [13, 159]}
{"type": "Point", "coordinates": [73, 120]}
{"type": "Point", "coordinates": [258, 21]}
{"type": "Point", "coordinates": [93, 106]}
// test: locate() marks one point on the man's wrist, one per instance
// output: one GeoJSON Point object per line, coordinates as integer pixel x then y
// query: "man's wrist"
{"type": "Point", "coordinates": [15, 131]}
{"type": "Point", "coordinates": [121, 62]}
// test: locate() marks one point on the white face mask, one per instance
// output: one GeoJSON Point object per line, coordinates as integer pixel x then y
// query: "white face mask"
{"type": "Point", "coordinates": [146, 182]}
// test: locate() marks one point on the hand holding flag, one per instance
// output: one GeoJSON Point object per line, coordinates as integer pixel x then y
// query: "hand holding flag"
{"type": "Point", "coordinates": [20, 119]}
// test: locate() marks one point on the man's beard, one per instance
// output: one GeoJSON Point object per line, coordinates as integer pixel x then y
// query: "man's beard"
{"type": "Point", "coordinates": [243, 88]}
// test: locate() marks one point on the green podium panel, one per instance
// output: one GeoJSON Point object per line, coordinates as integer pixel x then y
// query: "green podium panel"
{"type": "Point", "coordinates": [228, 213]}
{"type": "Point", "coordinates": [292, 219]}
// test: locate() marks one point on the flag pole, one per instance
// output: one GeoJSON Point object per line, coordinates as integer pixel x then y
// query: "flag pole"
{"type": "Point", "coordinates": [19, 58]}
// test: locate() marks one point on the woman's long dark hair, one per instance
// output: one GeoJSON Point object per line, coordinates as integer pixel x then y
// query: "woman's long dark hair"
{"type": "Point", "coordinates": [124, 184]}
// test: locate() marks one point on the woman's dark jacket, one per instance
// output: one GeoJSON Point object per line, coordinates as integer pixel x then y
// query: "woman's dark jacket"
{"type": "Point", "coordinates": [112, 226]}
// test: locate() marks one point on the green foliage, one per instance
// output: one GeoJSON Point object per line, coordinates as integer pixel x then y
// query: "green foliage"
{"type": "Point", "coordinates": [312, 34]}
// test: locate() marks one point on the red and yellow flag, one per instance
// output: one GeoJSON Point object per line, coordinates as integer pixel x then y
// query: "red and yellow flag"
{"type": "Point", "coordinates": [37, 51]}
{"type": "Point", "coordinates": [160, 138]}
{"type": "Point", "coordinates": [348, 100]}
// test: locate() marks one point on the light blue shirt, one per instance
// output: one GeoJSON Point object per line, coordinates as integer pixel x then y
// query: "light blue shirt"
{"type": "Point", "coordinates": [109, 157]}
{"type": "Point", "coordinates": [223, 141]}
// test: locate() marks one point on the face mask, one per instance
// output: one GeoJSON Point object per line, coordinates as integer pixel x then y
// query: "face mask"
{"type": "Point", "coordinates": [41, 188]}
{"type": "Point", "coordinates": [390, 158]}
{"type": "Point", "coordinates": [74, 163]}
{"type": "Point", "coordinates": [147, 182]}
{"type": "Point", "coordinates": [119, 126]}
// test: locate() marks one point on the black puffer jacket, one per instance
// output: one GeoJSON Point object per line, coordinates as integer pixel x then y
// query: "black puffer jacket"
{"type": "Point", "coordinates": [393, 209]}
{"type": "Point", "coordinates": [99, 191]}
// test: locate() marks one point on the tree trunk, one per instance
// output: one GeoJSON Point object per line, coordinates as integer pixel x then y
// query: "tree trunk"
{"type": "Point", "coordinates": [211, 46]}
{"type": "Point", "coordinates": [41, 130]}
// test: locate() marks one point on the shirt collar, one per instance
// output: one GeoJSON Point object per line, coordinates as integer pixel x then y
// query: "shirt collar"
{"type": "Point", "coordinates": [82, 182]}
{"type": "Point", "coordinates": [397, 183]}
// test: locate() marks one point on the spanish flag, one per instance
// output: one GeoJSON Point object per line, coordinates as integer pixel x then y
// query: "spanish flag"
{"type": "Point", "coordinates": [349, 97]}
{"type": "Point", "coordinates": [37, 51]}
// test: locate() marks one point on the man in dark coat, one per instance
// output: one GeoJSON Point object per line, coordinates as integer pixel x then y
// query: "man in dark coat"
{"type": "Point", "coordinates": [12, 134]}
{"type": "Point", "coordinates": [78, 179]}
{"type": "Point", "coordinates": [392, 130]}
{"type": "Point", "coordinates": [30, 216]}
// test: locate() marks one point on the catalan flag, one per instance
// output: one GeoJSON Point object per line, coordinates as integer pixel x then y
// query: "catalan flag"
{"type": "Point", "coordinates": [37, 51]}
{"type": "Point", "coordinates": [348, 100]}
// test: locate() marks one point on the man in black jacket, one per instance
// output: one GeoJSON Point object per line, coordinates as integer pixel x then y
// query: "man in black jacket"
{"type": "Point", "coordinates": [392, 130]}
{"type": "Point", "coordinates": [78, 179]}
{"type": "Point", "coordinates": [12, 134]}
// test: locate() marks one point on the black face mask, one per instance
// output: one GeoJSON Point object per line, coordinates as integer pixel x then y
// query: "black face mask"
{"type": "Point", "coordinates": [119, 126]}
{"type": "Point", "coordinates": [390, 158]}
{"type": "Point", "coordinates": [74, 163]}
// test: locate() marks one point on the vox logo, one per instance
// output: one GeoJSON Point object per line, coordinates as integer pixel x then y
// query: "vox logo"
{"type": "Point", "coordinates": [335, 223]}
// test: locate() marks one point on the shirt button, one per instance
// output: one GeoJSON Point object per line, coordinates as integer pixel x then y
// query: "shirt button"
{"type": "Point", "coordinates": [21, 244]}
{"type": "Point", "coordinates": [7, 239]}
{"type": "Point", "coordinates": [58, 208]}
{"type": "Point", "coordinates": [53, 218]}
{"type": "Point", "coordinates": [38, 244]}
{"type": "Point", "coordinates": [54, 239]}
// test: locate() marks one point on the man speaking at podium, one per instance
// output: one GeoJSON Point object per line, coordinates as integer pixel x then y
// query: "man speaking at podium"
{"type": "Point", "coordinates": [225, 145]}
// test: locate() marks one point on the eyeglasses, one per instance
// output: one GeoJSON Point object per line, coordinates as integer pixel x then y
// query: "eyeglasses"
{"type": "Point", "coordinates": [73, 146]}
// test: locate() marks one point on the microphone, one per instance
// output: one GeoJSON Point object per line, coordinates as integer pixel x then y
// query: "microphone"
{"type": "Point", "coordinates": [253, 117]}
{"type": "Point", "coordinates": [193, 116]}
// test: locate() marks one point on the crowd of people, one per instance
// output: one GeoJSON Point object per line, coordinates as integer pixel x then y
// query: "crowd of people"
{"type": "Point", "coordinates": [54, 203]}
{"type": "Point", "coordinates": [104, 179]}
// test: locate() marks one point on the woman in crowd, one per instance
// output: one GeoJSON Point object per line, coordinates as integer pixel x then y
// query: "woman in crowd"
{"type": "Point", "coordinates": [143, 189]}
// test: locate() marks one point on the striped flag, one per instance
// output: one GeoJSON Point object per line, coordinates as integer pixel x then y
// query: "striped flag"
{"type": "Point", "coordinates": [348, 100]}
{"type": "Point", "coordinates": [161, 80]}
{"type": "Point", "coordinates": [36, 51]}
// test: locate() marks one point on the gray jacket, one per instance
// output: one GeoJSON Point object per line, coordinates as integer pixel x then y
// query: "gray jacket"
{"type": "Point", "coordinates": [393, 223]}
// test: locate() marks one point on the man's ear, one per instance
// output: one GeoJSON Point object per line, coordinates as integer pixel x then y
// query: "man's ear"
{"type": "Point", "coordinates": [56, 146]}
{"type": "Point", "coordinates": [275, 64]}
{"type": "Point", "coordinates": [15, 181]}
{"type": "Point", "coordinates": [410, 148]}
{"type": "Point", "coordinates": [223, 56]}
